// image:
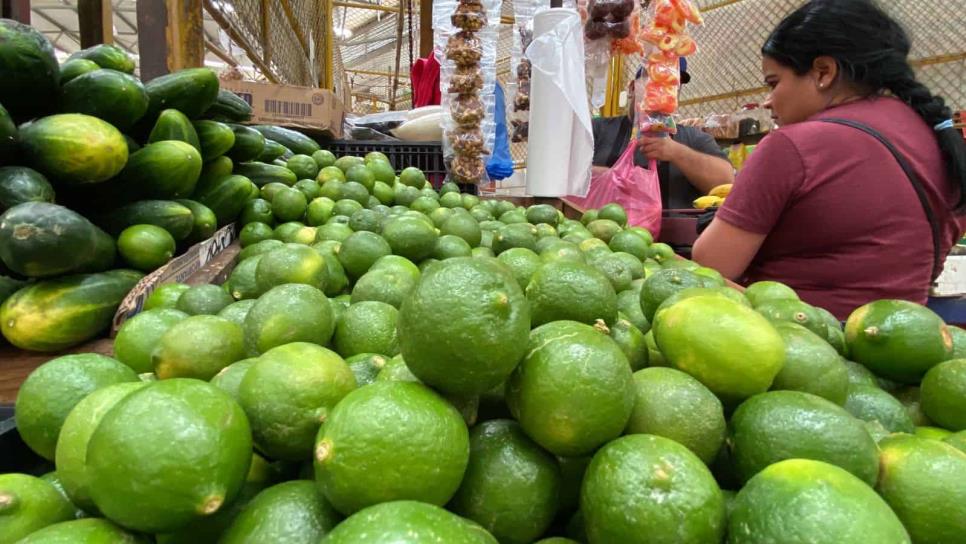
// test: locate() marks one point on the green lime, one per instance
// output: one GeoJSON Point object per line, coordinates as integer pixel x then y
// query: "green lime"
{"type": "Point", "coordinates": [229, 378]}
{"type": "Point", "coordinates": [28, 504]}
{"type": "Point", "coordinates": [410, 522]}
{"type": "Point", "coordinates": [730, 348]}
{"type": "Point", "coordinates": [142, 479]}
{"type": "Point", "coordinates": [303, 166]}
{"type": "Point", "coordinates": [252, 233]}
{"type": "Point", "coordinates": [674, 405]}
{"type": "Point", "coordinates": [385, 285]}
{"type": "Point", "coordinates": [391, 441]}
{"type": "Point", "coordinates": [291, 264]}
{"type": "Point", "coordinates": [898, 340]}
{"type": "Point", "coordinates": [614, 212]}
{"type": "Point", "coordinates": [138, 336]}
{"type": "Point", "coordinates": [367, 327]}
{"type": "Point", "coordinates": [145, 247]}
{"type": "Point", "coordinates": [661, 285]}
{"type": "Point", "coordinates": [511, 485]}
{"type": "Point", "coordinates": [71, 452]}
{"type": "Point", "coordinates": [288, 313]}
{"type": "Point", "coordinates": [289, 393]}
{"type": "Point", "coordinates": [198, 347]}
{"type": "Point", "coordinates": [360, 251]}
{"type": "Point", "coordinates": [52, 390]}
{"type": "Point", "coordinates": [165, 295]}
{"type": "Point", "coordinates": [573, 391]}
{"type": "Point", "coordinates": [631, 341]}
{"type": "Point", "coordinates": [649, 485]}
{"type": "Point", "coordinates": [309, 187]}
{"type": "Point", "coordinates": [449, 246]}
{"type": "Point", "coordinates": [944, 394]}
{"type": "Point", "coordinates": [410, 238]}
{"type": "Point", "coordinates": [815, 501]}
{"type": "Point", "coordinates": [477, 306]}
{"type": "Point", "coordinates": [869, 403]}
{"type": "Point", "coordinates": [347, 162]}
{"type": "Point", "coordinates": [523, 264]}
{"type": "Point", "coordinates": [87, 531]}
{"type": "Point", "coordinates": [292, 512]}
{"type": "Point", "coordinates": [366, 367]}
{"type": "Point", "coordinates": [765, 291]}
{"type": "Point", "coordinates": [319, 210]}
{"type": "Point", "coordinates": [570, 291]}
{"type": "Point", "coordinates": [205, 299]}
{"type": "Point", "coordinates": [924, 481]}
{"type": "Point", "coordinates": [412, 177]}
{"type": "Point", "coordinates": [790, 424]}
{"type": "Point", "coordinates": [542, 213]}
{"type": "Point", "coordinates": [324, 158]}
{"type": "Point", "coordinates": [811, 365]}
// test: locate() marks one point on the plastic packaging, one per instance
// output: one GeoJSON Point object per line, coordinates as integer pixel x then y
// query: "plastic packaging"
{"type": "Point", "coordinates": [665, 37]}
{"type": "Point", "coordinates": [607, 23]}
{"type": "Point", "coordinates": [465, 38]}
{"type": "Point", "coordinates": [523, 12]}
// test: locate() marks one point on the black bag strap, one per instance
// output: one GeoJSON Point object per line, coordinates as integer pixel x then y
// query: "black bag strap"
{"type": "Point", "coordinates": [937, 263]}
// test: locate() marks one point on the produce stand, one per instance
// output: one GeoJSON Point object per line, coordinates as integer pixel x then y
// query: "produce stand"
{"type": "Point", "coordinates": [17, 364]}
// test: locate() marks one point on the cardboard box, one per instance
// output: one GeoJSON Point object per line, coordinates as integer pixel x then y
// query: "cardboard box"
{"type": "Point", "coordinates": [314, 111]}
{"type": "Point", "coordinates": [177, 270]}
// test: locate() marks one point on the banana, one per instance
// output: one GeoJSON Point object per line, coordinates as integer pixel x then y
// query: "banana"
{"type": "Point", "coordinates": [721, 191]}
{"type": "Point", "coordinates": [706, 202]}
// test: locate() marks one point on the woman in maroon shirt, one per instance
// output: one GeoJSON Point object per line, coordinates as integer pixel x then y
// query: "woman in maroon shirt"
{"type": "Point", "coordinates": [823, 205]}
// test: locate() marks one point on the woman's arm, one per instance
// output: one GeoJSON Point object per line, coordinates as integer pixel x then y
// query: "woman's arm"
{"type": "Point", "coordinates": [727, 249]}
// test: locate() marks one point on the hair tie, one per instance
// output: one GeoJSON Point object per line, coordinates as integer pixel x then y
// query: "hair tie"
{"type": "Point", "coordinates": [948, 123]}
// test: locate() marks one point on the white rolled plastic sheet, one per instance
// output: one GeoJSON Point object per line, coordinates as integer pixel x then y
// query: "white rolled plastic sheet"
{"type": "Point", "coordinates": [561, 145]}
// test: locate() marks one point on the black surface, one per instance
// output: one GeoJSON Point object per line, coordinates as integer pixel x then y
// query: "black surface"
{"type": "Point", "coordinates": [15, 456]}
{"type": "Point", "coordinates": [427, 156]}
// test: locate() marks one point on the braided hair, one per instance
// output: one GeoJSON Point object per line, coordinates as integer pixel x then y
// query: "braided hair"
{"type": "Point", "coordinates": [871, 50]}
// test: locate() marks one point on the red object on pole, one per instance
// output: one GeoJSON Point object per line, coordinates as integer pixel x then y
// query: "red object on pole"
{"type": "Point", "coordinates": [424, 77]}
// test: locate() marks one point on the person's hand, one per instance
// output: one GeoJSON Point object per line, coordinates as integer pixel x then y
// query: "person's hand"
{"type": "Point", "coordinates": [660, 149]}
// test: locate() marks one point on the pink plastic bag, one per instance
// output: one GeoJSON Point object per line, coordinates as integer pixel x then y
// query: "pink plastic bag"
{"type": "Point", "coordinates": [636, 189]}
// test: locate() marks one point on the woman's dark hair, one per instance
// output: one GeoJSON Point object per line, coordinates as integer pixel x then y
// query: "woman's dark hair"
{"type": "Point", "coordinates": [872, 51]}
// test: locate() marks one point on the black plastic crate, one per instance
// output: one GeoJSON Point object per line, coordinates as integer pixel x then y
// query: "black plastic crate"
{"type": "Point", "coordinates": [427, 156]}
{"type": "Point", "coordinates": [15, 456]}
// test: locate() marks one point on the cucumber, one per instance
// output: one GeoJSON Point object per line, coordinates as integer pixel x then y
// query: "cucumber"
{"type": "Point", "coordinates": [19, 184]}
{"type": "Point", "coordinates": [226, 197]}
{"type": "Point", "coordinates": [249, 144]}
{"type": "Point", "coordinates": [190, 91]}
{"type": "Point", "coordinates": [296, 141]}
{"type": "Point", "coordinates": [215, 138]}
{"type": "Point", "coordinates": [107, 56]}
{"type": "Point", "coordinates": [205, 221]}
{"type": "Point", "coordinates": [73, 148]}
{"type": "Point", "coordinates": [113, 96]}
{"type": "Point", "coordinates": [261, 174]}
{"type": "Point", "coordinates": [8, 136]}
{"type": "Point", "coordinates": [29, 74]}
{"type": "Point", "coordinates": [40, 240]}
{"type": "Point", "coordinates": [229, 107]}
{"type": "Point", "coordinates": [9, 286]}
{"type": "Point", "coordinates": [167, 214]}
{"type": "Point", "coordinates": [173, 125]}
{"type": "Point", "coordinates": [213, 171]}
{"type": "Point", "coordinates": [57, 314]}
{"type": "Point", "coordinates": [273, 150]}
{"type": "Point", "coordinates": [77, 67]}
{"type": "Point", "coordinates": [165, 169]}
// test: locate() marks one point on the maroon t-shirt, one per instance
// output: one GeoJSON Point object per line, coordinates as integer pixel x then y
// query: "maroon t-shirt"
{"type": "Point", "coordinates": [842, 221]}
